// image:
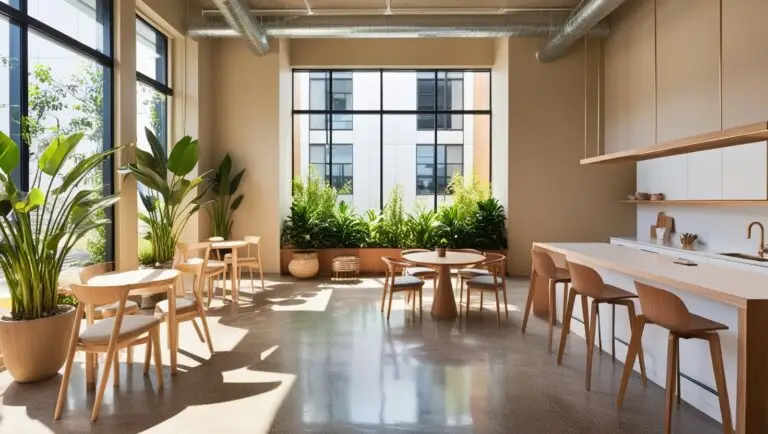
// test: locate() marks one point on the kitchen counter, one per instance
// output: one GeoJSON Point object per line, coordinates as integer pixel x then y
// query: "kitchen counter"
{"type": "Point", "coordinates": [735, 296]}
{"type": "Point", "coordinates": [698, 249]}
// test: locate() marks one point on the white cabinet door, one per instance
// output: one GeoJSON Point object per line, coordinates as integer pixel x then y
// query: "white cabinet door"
{"type": "Point", "coordinates": [646, 176]}
{"type": "Point", "coordinates": [705, 175]}
{"type": "Point", "coordinates": [745, 172]}
{"type": "Point", "coordinates": [671, 177]}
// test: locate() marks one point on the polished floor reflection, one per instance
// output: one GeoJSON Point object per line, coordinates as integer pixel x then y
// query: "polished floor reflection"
{"type": "Point", "coordinates": [319, 357]}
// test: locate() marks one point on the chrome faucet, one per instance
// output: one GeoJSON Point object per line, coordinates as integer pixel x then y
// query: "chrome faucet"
{"type": "Point", "coordinates": [761, 251]}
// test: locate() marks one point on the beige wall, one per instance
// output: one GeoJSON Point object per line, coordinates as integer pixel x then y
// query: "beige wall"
{"type": "Point", "coordinates": [552, 197]}
{"type": "Point", "coordinates": [703, 69]}
{"type": "Point", "coordinates": [392, 52]}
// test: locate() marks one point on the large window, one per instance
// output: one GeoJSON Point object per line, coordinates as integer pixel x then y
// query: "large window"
{"type": "Point", "coordinates": [56, 78]}
{"type": "Point", "coordinates": [152, 98]}
{"type": "Point", "coordinates": [410, 131]}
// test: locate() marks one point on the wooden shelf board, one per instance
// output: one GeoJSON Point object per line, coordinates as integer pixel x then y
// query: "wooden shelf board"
{"type": "Point", "coordinates": [716, 139]}
{"type": "Point", "coordinates": [700, 202]}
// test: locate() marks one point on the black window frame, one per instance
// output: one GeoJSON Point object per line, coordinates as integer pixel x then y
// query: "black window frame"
{"type": "Point", "coordinates": [344, 181]}
{"type": "Point", "coordinates": [21, 25]}
{"type": "Point", "coordinates": [437, 91]}
{"type": "Point", "coordinates": [381, 112]}
{"type": "Point", "coordinates": [338, 122]}
{"type": "Point", "coordinates": [160, 85]}
{"type": "Point", "coordinates": [439, 183]}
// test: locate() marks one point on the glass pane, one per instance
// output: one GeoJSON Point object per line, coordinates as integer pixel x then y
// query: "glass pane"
{"type": "Point", "coordinates": [318, 94]}
{"type": "Point", "coordinates": [151, 52]}
{"type": "Point", "coordinates": [66, 91]}
{"type": "Point", "coordinates": [85, 20]}
{"type": "Point", "coordinates": [317, 154]}
{"type": "Point", "coordinates": [151, 113]}
{"type": "Point", "coordinates": [400, 90]}
{"type": "Point", "coordinates": [454, 154]}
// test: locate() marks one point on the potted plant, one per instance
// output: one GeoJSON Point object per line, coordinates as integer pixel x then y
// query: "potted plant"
{"type": "Point", "coordinates": [38, 229]}
{"type": "Point", "coordinates": [441, 246]}
{"type": "Point", "coordinates": [172, 198]}
{"type": "Point", "coordinates": [225, 203]}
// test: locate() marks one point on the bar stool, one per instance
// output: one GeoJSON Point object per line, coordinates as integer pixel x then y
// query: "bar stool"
{"type": "Point", "coordinates": [667, 310]}
{"type": "Point", "coordinates": [545, 266]}
{"type": "Point", "coordinates": [588, 283]}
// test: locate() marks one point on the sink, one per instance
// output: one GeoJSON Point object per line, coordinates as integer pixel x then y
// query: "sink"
{"type": "Point", "coordinates": [745, 256]}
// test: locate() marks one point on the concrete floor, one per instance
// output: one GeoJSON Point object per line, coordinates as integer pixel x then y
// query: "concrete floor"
{"type": "Point", "coordinates": [319, 357]}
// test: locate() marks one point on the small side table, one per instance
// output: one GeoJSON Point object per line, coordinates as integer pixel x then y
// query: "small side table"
{"type": "Point", "coordinates": [345, 268]}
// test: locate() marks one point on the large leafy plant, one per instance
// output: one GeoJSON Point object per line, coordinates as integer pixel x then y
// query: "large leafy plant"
{"type": "Point", "coordinates": [312, 210]}
{"type": "Point", "coordinates": [347, 229]}
{"type": "Point", "coordinates": [40, 227]}
{"type": "Point", "coordinates": [225, 203]}
{"type": "Point", "coordinates": [172, 198]}
{"type": "Point", "coordinates": [488, 228]}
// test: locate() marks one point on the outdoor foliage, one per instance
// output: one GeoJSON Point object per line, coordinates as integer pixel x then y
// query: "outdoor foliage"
{"type": "Point", "coordinates": [40, 227]}
{"type": "Point", "coordinates": [172, 198]}
{"type": "Point", "coordinates": [225, 203]}
{"type": "Point", "coordinates": [473, 220]}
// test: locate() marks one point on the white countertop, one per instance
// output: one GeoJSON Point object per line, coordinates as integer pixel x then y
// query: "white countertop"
{"type": "Point", "coordinates": [698, 249]}
{"type": "Point", "coordinates": [717, 282]}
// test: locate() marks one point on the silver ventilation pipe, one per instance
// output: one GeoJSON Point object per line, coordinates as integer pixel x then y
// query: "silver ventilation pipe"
{"type": "Point", "coordinates": [578, 25]}
{"type": "Point", "coordinates": [402, 27]}
{"type": "Point", "coordinates": [239, 20]}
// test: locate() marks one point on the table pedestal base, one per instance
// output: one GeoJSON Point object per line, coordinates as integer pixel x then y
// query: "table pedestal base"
{"type": "Point", "coordinates": [444, 303]}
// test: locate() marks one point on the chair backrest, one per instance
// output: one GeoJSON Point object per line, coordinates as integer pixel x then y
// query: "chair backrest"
{"type": "Point", "coordinates": [543, 264]}
{"type": "Point", "coordinates": [475, 251]}
{"type": "Point", "coordinates": [96, 270]}
{"type": "Point", "coordinates": [253, 240]}
{"type": "Point", "coordinates": [407, 251]}
{"type": "Point", "coordinates": [201, 251]}
{"type": "Point", "coordinates": [91, 296]}
{"type": "Point", "coordinates": [663, 308]}
{"type": "Point", "coordinates": [586, 280]}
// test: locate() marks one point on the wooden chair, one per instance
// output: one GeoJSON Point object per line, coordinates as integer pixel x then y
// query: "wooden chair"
{"type": "Point", "coordinates": [667, 310]}
{"type": "Point", "coordinates": [586, 282]}
{"type": "Point", "coordinates": [213, 267]}
{"type": "Point", "coordinates": [251, 260]}
{"type": "Point", "coordinates": [467, 273]}
{"type": "Point", "coordinates": [496, 281]}
{"type": "Point", "coordinates": [188, 309]}
{"type": "Point", "coordinates": [396, 282]}
{"type": "Point", "coordinates": [423, 273]}
{"type": "Point", "coordinates": [543, 265]}
{"type": "Point", "coordinates": [108, 336]}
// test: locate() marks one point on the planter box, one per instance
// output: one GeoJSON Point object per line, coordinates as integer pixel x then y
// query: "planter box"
{"type": "Point", "coordinates": [370, 258]}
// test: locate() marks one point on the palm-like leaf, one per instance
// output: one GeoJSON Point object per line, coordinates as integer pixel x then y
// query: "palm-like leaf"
{"type": "Point", "coordinates": [225, 203]}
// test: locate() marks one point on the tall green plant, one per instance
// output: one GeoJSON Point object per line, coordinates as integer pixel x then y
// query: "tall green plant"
{"type": "Point", "coordinates": [422, 228]}
{"type": "Point", "coordinates": [40, 227]}
{"type": "Point", "coordinates": [312, 210]}
{"type": "Point", "coordinates": [168, 202]}
{"type": "Point", "coordinates": [391, 231]}
{"type": "Point", "coordinates": [347, 229]}
{"type": "Point", "coordinates": [466, 192]}
{"type": "Point", "coordinates": [488, 228]}
{"type": "Point", "coordinates": [225, 203]}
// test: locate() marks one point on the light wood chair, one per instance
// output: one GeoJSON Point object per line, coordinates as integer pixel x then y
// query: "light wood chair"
{"type": "Point", "coordinates": [108, 336]}
{"type": "Point", "coordinates": [587, 282]}
{"type": "Point", "coordinates": [423, 273]}
{"type": "Point", "coordinates": [495, 282]}
{"type": "Point", "coordinates": [251, 260]}
{"type": "Point", "coordinates": [213, 268]}
{"type": "Point", "coordinates": [543, 265]}
{"type": "Point", "coordinates": [466, 273]}
{"type": "Point", "coordinates": [396, 282]}
{"type": "Point", "coordinates": [667, 310]}
{"type": "Point", "coordinates": [191, 308]}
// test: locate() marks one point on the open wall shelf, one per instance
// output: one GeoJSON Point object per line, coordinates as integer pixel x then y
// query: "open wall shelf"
{"type": "Point", "coordinates": [717, 139]}
{"type": "Point", "coordinates": [700, 202]}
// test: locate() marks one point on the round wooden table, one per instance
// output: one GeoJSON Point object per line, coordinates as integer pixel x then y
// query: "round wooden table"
{"type": "Point", "coordinates": [444, 303]}
{"type": "Point", "coordinates": [232, 245]}
{"type": "Point", "coordinates": [142, 282]}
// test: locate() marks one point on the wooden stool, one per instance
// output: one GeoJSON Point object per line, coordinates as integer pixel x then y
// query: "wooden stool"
{"type": "Point", "coordinates": [665, 309]}
{"type": "Point", "coordinates": [588, 283]}
{"type": "Point", "coordinates": [545, 266]}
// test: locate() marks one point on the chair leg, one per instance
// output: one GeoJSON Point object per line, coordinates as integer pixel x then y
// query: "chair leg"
{"type": "Point", "coordinates": [504, 292]}
{"type": "Point", "coordinates": [670, 391]}
{"type": "Point", "coordinates": [468, 299]}
{"type": "Point", "coordinates": [129, 356]}
{"type": "Point", "coordinates": [413, 305]}
{"type": "Point", "coordinates": [389, 309]}
{"type": "Point", "coordinates": [148, 354]}
{"type": "Point", "coordinates": [197, 330]}
{"type": "Point", "coordinates": [565, 296]}
{"type": "Point", "coordinates": [204, 321]}
{"type": "Point", "coordinates": [498, 308]}
{"type": "Point", "coordinates": [384, 294]}
{"type": "Point", "coordinates": [421, 304]}
{"type": "Point", "coordinates": [116, 369]}
{"type": "Point", "coordinates": [566, 325]}
{"type": "Point", "coordinates": [722, 388]}
{"type": "Point", "coordinates": [591, 342]}
{"type": "Point", "coordinates": [552, 312]}
{"type": "Point", "coordinates": [253, 285]}
{"type": "Point", "coordinates": [599, 328]}
{"type": "Point", "coordinates": [632, 323]}
{"type": "Point", "coordinates": [585, 319]}
{"type": "Point", "coordinates": [108, 363]}
{"type": "Point", "coordinates": [481, 300]}
{"type": "Point", "coordinates": [261, 276]}
{"type": "Point", "coordinates": [528, 303]}
{"type": "Point", "coordinates": [613, 333]}
{"type": "Point", "coordinates": [678, 377]}
{"type": "Point", "coordinates": [67, 372]}
{"type": "Point", "coordinates": [210, 292]}
{"type": "Point", "coordinates": [461, 292]}
{"type": "Point", "coordinates": [155, 334]}
{"type": "Point", "coordinates": [635, 344]}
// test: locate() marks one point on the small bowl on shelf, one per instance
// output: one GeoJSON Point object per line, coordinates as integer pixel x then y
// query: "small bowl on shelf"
{"type": "Point", "coordinates": [657, 196]}
{"type": "Point", "coordinates": [642, 196]}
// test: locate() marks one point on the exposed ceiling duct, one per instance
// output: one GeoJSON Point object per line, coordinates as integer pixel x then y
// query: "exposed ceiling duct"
{"type": "Point", "coordinates": [239, 20]}
{"type": "Point", "coordinates": [578, 25]}
{"type": "Point", "coordinates": [528, 25]}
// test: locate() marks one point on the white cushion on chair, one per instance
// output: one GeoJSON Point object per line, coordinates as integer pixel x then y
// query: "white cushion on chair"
{"type": "Point", "coordinates": [485, 282]}
{"type": "Point", "coordinates": [133, 325]}
{"type": "Point", "coordinates": [183, 304]}
{"type": "Point", "coordinates": [473, 272]}
{"type": "Point", "coordinates": [407, 282]}
{"type": "Point", "coordinates": [420, 271]}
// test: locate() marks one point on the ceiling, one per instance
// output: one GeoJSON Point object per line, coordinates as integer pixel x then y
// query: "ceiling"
{"type": "Point", "coordinates": [379, 6]}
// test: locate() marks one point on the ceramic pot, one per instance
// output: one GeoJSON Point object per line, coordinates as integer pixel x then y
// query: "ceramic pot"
{"type": "Point", "coordinates": [35, 350]}
{"type": "Point", "coordinates": [441, 252]}
{"type": "Point", "coordinates": [304, 264]}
